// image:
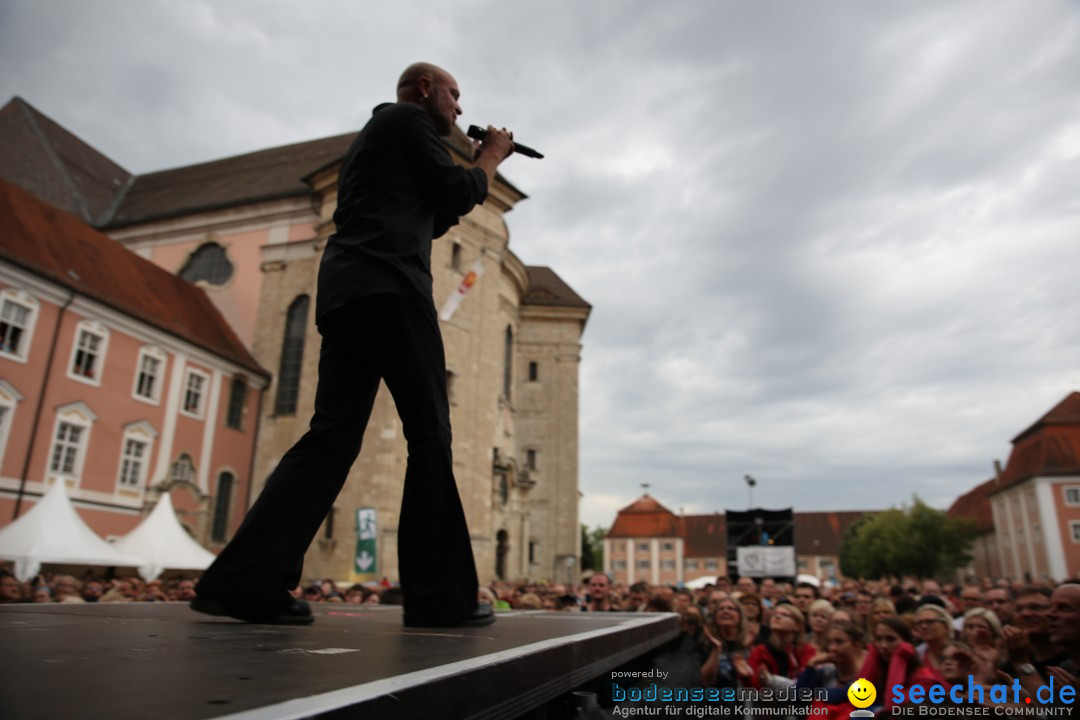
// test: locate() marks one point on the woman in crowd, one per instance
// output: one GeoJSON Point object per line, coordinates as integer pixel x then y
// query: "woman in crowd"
{"type": "Point", "coordinates": [891, 660]}
{"type": "Point", "coordinates": [821, 612]}
{"type": "Point", "coordinates": [754, 616]}
{"type": "Point", "coordinates": [726, 664]}
{"type": "Point", "coordinates": [881, 607]}
{"type": "Point", "coordinates": [982, 631]}
{"type": "Point", "coordinates": [780, 660]}
{"type": "Point", "coordinates": [836, 667]}
{"type": "Point", "coordinates": [935, 627]}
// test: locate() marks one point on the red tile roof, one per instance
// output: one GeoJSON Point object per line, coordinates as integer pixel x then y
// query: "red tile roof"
{"type": "Point", "coordinates": [41, 239]}
{"type": "Point", "coordinates": [40, 156]}
{"type": "Point", "coordinates": [645, 518]}
{"type": "Point", "coordinates": [1050, 447]}
{"type": "Point", "coordinates": [975, 504]}
{"type": "Point", "coordinates": [705, 535]}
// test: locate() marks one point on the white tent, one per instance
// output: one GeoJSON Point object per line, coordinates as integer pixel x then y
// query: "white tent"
{"type": "Point", "coordinates": [52, 532]}
{"type": "Point", "coordinates": [698, 583]}
{"type": "Point", "coordinates": [163, 544]}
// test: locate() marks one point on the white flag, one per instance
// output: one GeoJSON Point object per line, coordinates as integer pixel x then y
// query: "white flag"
{"type": "Point", "coordinates": [452, 302]}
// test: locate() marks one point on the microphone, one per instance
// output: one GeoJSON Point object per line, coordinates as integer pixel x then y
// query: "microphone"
{"type": "Point", "coordinates": [477, 133]}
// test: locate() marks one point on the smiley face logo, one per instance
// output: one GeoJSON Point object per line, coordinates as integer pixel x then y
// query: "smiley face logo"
{"type": "Point", "coordinates": [862, 693]}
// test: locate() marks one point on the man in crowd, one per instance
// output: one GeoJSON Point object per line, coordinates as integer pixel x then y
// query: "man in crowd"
{"type": "Point", "coordinates": [597, 600]}
{"type": "Point", "coordinates": [1028, 641]}
{"type": "Point", "coordinates": [805, 594]}
{"type": "Point", "coordinates": [1000, 600]}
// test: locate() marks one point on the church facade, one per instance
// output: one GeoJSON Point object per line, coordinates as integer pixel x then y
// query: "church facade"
{"type": "Point", "coordinates": [250, 230]}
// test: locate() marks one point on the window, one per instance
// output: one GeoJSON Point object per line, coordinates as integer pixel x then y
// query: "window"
{"type": "Point", "coordinates": [534, 372]}
{"type": "Point", "coordinates": [17, 314]}
{"type": "Point", "coordinates": [88, 354]}
{"type": "Point", "coordinates": [133, 463]}
{"type": "Point", "coordinates": [66, 448]}
{"type": "Point", "coordinates": [1074, 529]}
{"type": "Point", "coordinates": [70, 440]}
{"type": "Point", "coordinates": [221, 507]}
{"type": "Point", "coordinates": [691, 564]}
{"type": "Point", "coordinates": [711, 564]}
{"type": "Point", "coordinates": [1072, 495]}
{"type": "Point", "coordinates": [508, 359]}
{"type": "Point", "coordinates": [667, 564]}
{"type": "Point", "coordinates": [532, 552]}
{"type": "Point", "coordinates": [135, 455]}
{"type": "Point", "coordinates": [148, 374]}
{"type": "Point", "coordinates": [643, 547]}
{"type": "Point", "coordinates": [195, 388]}
{"type": "Point", "coordinates": [618, 564]}
{"type": "Point", "coordinates": [183, 470]}
{"type": "Point", "coordinates": [234, 417]}
{"type": "Point", "coordinates": [292, 357]}
{"type": "Point", "coordinates": [455, 256]}
{"type": "Point", "coordinates": [209, 264]}
{"type": "Point", "coordinates": [642, 564]}
{"type": "Point", "coordinates": [530, 459]}
{"type": "Point", "coordinates": [9, 398]}
{"type": "Point", "coordinates": [668, 547]}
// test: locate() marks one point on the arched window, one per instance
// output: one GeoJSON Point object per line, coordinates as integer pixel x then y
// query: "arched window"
{"type": "Point", "coordinates": [508, 358]}
{"type": "Point", "coordinates": [292, 357]}
{"type": "Point", "coordinates": [221, 507]}
{"type": "Point", "coordinates": [209, 263]}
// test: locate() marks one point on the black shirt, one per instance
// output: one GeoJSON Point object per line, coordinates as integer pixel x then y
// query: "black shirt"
{"type": "Point", "coordinates": [398, 189]}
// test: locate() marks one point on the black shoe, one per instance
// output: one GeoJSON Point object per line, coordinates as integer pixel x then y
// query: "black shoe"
{"type": "Point", "coordinates": [483, 615]}
{"type": "Point", "coordinates": [292, 612]}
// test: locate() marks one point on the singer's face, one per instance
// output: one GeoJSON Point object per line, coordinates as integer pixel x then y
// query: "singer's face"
{"type": "Point", "coordinates": [443, 103]}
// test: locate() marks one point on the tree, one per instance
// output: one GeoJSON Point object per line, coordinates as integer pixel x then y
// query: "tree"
{"type": "Point", "coordinates": [918, 540]}
{"type": "Point", "coordinates": [592, 548]}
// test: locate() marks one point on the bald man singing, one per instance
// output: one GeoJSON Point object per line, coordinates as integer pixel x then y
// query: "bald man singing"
{"type": "Point", "coordinates": [398, 189]}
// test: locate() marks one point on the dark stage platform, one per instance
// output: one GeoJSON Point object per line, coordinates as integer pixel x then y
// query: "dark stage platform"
{"type": "Point", "coordinates": [163, 661]}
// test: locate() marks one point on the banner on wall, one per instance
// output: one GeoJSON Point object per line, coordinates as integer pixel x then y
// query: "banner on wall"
{"type": "Point", "coordinates": [365, 563]}
{"type": "Point", "coordinates": [766, 561]}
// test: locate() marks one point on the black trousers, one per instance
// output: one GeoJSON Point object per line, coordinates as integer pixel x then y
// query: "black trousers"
{"type": "Point", "coordinates": [395, 338]}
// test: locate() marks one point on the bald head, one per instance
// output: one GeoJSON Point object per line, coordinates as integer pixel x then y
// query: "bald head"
{"type": "Point", "coordinates": [408, 86]}
{"type": "Point", "coordinates": [433, 89]}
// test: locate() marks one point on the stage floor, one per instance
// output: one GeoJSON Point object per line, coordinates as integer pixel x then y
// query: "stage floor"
{"type": "Point", "coordinates": [161, 660]}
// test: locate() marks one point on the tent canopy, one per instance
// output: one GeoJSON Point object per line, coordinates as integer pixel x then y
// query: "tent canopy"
{"type": "Point", "coordinates": [52, 532]}
{"type": "Point", "coordinates": [163, 544]}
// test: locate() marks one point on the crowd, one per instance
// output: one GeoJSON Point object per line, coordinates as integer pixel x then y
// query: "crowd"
{"type": "Point", "coordinates": [914, 634]}
{"type": "Point", "coordinates": [767, 634]}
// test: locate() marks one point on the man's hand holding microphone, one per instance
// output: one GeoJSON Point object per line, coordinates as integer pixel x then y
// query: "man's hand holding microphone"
{"type": "Point", "coordinates": [496, 146]}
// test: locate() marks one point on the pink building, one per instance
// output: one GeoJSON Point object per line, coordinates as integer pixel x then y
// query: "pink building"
{"type": "Point", "coordinates": [1036, 502]}
{"type": "Point", "coordinates": [117, 378]}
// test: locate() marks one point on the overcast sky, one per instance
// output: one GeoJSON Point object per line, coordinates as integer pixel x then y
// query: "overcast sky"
{"type": "Point", "coordinates": [834, 245]}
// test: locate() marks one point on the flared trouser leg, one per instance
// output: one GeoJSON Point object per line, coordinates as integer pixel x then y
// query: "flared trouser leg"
{"type": "Point", "coordinates": [396, 338]}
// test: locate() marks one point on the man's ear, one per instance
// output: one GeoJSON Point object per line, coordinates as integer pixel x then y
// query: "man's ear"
{"type": "Point", "coordinates": [425, 85]}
